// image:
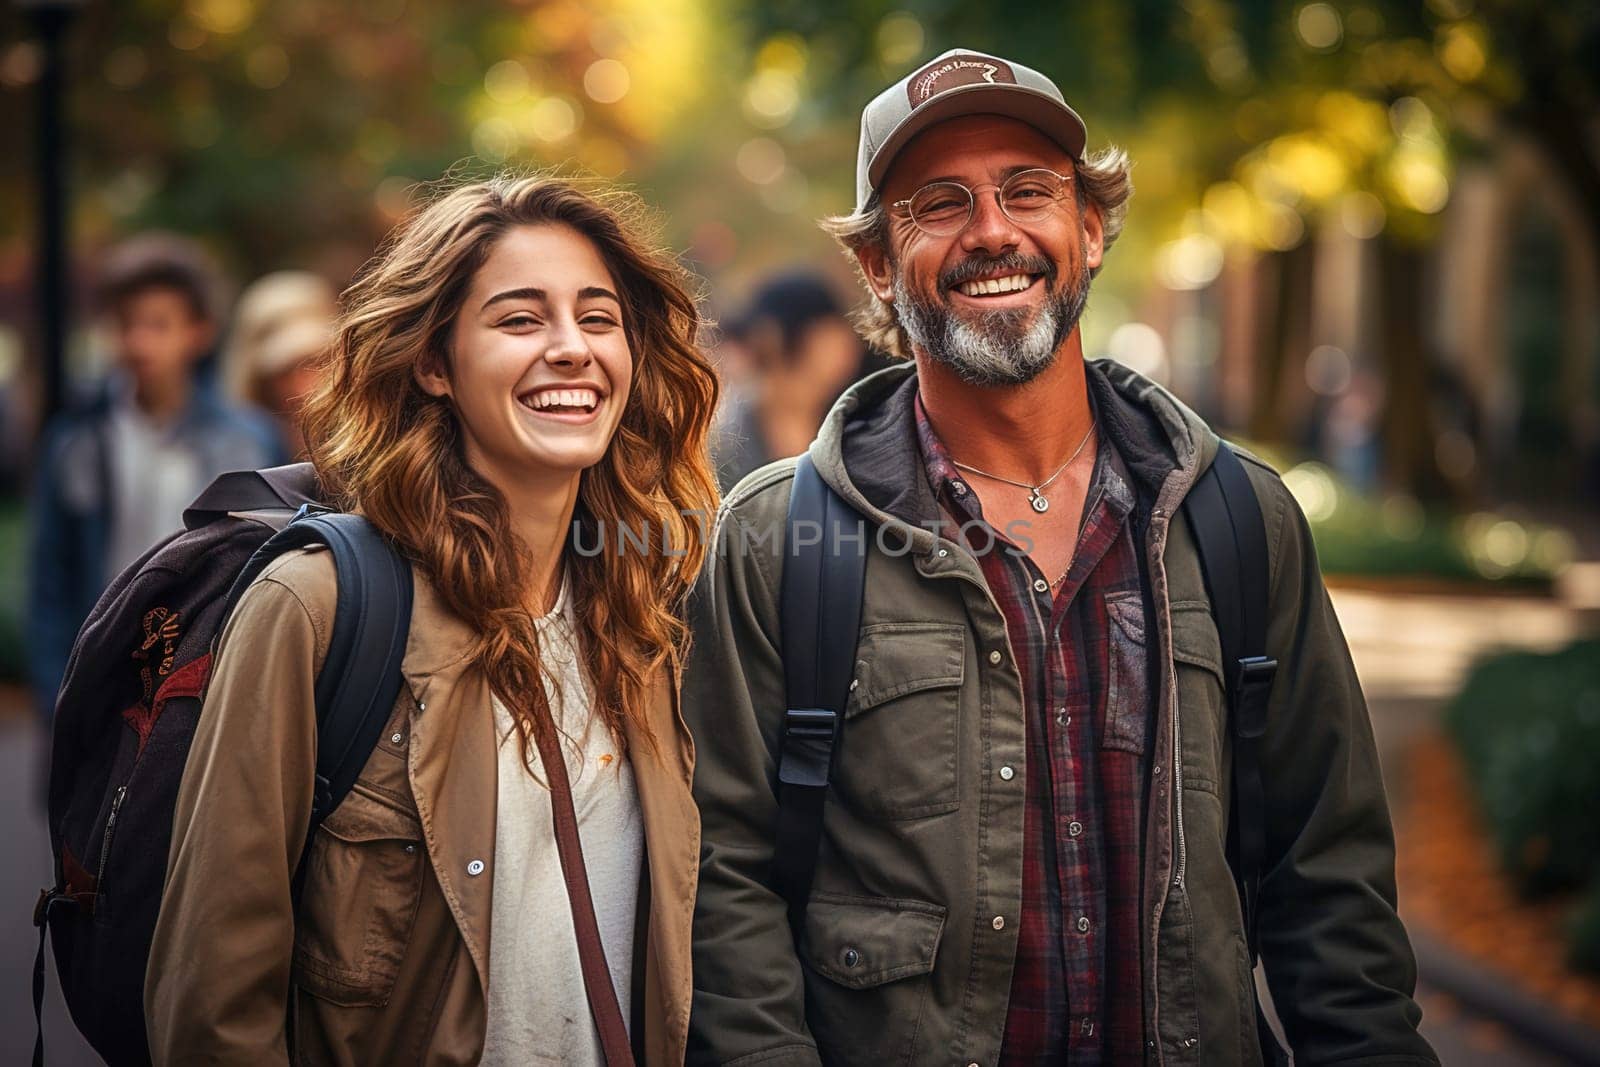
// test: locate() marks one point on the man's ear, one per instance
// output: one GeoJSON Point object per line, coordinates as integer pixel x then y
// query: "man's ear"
{"type": "Point", "coordinates": [1094, 236]}
{"type": "Point", "coordinates": [432, 375]}
{"type": "Point", "coordinates": [877, 270]}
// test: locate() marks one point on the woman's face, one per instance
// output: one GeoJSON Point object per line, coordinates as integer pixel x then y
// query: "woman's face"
{"type": "Point", "coordinates": [539, 363]}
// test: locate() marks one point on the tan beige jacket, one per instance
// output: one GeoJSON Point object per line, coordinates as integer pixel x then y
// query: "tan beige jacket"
{"type": "Point", "coordinates": [389, 959]}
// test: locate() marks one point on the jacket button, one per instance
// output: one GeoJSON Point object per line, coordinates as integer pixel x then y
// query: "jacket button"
{"type": "Point", "coordinates": [995, 658]}
{"type": "Point", "coordinates": [396, 737]}
{"type": "Point", "coordinates": [1006, 774]}
{"type": "Point", "coordinates": [1083, 924]}
{"type": "Point", "coordinates": [411, 849]}
{"type": "Point", "coordinates": [475, 868]}
{"type": "Point", "coordinates": [851, 957]}
{"type": "Point", "coordinates": [999, 922]}
{"type": "Point", "coordinates": [1074, 828]}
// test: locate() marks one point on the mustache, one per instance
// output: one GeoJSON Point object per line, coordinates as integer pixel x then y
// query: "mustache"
{"type": "Point", "coordinates": [1011, 262]}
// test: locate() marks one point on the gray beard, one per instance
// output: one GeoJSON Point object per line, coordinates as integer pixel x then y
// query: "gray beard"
{"type": "Point", "coordinates": [994, 347]}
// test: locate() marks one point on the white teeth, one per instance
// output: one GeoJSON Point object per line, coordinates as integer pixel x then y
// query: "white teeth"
{"type": "Point", "coordinates": [1012, 284]}
{"type": "Point", "coordinates": [567, 398]}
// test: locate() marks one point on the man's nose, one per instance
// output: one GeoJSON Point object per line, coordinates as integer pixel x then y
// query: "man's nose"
{"type": "Point", "coordinates": [991, 230]}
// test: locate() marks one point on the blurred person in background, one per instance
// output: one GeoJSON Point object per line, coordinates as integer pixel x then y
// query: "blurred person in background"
{"type": "Point", "coordinates": [799, 353]}
{"type": "Point", "coordinates": [281, 327]}
{"type": "Point", "coordinates": [117, 470]}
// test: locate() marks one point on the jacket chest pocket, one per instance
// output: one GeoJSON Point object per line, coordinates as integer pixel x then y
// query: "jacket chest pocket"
{"type": "Point", "coordinates": [1197, 663]}
{"type": "Point", "coordinates": [898, 751]}
{"type": "Point", "coordinates": [363, 882]}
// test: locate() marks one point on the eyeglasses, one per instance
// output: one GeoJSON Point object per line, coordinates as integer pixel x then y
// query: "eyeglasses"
{"type": "Point", "coordinates": [943, 208]}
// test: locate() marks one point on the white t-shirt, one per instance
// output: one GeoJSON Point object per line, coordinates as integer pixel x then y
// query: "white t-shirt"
{"type": "Point", "coordinates": [538, 1011]}
{"type": "Point", "coordinates": [155, 474]}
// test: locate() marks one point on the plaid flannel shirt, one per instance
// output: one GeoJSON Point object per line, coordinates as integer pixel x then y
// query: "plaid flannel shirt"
{"type": "Point", "coordinates": [1075, 987]}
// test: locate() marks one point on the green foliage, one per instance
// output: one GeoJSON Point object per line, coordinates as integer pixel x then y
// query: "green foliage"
{"type": "Point", "coordinates": [1583, 939]}
{"type": "Point", "coordinates": [1528, 727]}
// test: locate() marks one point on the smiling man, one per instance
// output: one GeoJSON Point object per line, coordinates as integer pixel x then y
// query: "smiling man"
{"type": "Point", "coordinates": [1025, 855]}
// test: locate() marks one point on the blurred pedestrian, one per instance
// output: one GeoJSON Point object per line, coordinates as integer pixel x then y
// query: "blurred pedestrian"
{"type": "Point", "coordinates": [281, 328]}
{"type": "Point", "coordinates": [799, 353]}
{"type": "Point", "coordinates": [118, 469]}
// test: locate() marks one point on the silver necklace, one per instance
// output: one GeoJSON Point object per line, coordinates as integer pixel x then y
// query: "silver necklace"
{"type": "Point", "coordinates": [1036, 496]}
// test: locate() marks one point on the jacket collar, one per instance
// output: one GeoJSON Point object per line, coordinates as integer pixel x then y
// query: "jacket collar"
{"type": "Point", "coordinates": [442, 644]}
{"type": "Point", "coordinates": [867, 447]}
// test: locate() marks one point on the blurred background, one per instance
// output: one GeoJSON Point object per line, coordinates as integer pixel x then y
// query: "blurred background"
{"type": "Point", "coordinates": [1365, 240]}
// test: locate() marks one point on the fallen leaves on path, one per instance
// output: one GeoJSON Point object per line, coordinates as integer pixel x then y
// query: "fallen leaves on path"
{"type": "Point", "coordinates": [1451, 886]}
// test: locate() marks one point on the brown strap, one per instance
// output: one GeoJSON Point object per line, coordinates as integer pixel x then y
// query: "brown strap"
{"type": "Point", "coordinates": [596, 974]}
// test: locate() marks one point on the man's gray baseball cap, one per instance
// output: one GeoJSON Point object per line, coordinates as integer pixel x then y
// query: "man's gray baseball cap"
{"type": "Point", "coordinates": [960, 82]}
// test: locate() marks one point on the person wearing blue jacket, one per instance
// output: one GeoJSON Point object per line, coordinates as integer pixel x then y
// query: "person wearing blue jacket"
{"type": "Point", "coordinates": [116, 472]}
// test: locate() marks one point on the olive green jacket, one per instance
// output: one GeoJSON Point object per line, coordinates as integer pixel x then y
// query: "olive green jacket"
{"type": "Point", "coordinates": [907, 951]}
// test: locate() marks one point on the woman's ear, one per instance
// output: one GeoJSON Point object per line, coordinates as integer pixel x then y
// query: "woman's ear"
{"type": "Point", "coordinates": [431, 374]}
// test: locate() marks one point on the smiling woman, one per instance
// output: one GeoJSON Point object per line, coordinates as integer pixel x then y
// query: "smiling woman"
{"type": "Point", "coordinates": [515, 369]}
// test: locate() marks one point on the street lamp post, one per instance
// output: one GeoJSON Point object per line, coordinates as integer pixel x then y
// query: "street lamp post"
{"type": "Point", "coordinates": [51, 19]}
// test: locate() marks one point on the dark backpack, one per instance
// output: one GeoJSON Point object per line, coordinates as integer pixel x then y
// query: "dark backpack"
{"type": "Point", "coordinates": [130, 702]}
{"type": "Point", "coordinates": [820, 609]}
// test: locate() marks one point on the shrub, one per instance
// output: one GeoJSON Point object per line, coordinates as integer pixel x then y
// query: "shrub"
{"type": "Point", "coordinates": [1583, 945]}
{"type": "Point", "coordinates": [1528, 727]}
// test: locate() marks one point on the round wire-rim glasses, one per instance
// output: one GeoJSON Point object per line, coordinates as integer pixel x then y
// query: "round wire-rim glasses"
{"type": "Point", "coordinates": [944, 208]}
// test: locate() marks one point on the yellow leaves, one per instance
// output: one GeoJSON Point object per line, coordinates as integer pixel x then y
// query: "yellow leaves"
{"type": "Point", "coordinates": [1463, 50]}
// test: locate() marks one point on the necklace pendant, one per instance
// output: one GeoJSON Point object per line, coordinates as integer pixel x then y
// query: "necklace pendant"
{"type": "Point", "coordinates": [1040, 504]}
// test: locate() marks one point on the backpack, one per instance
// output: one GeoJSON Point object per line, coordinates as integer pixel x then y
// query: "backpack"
{"type": "Point", "coordinates": [820, 610]}
{"type": "Point", "coordinates": [131, 700]}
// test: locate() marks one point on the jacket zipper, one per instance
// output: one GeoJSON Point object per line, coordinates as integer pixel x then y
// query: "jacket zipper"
{"type": "Point", "coordinates": [105, 843]}
{"type": "Point", "coordinates": [1177, 790]}
{"type": "Point", "coordinates": [1177, 728]}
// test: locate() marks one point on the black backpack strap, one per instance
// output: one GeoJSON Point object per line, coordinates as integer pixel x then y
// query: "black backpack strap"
{"type": "Point", "coordinates": [824, 574]}
{"type": "Point", "coordinates": [360, 677]}
{"type": "Point", "coordinates": [1230, 535]}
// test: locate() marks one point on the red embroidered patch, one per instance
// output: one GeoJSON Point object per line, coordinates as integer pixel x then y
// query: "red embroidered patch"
{"type": "Point", "coordinates": [187, 681]}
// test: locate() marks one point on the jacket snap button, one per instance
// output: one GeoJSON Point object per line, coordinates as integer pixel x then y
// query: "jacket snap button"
{"type": "Point", "coordinates": [475, 868]}
{"type": "Point", "coordinates": [395, 738]}
{"type": "Point", "coordinates": [995, 658]}
{"type": "Point", "coordinates": [851, 957]}
{"type": "Point", "coordinates": [999, 922]}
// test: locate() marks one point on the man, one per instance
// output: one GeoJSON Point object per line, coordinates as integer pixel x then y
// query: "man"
{"type": "Point", "coordinates": [117, 472]}
{"type": "Point", "coordinates": [1024, 856]}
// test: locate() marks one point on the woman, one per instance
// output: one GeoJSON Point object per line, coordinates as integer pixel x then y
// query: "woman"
{"type": "Point", "coordinates": [514, 371]}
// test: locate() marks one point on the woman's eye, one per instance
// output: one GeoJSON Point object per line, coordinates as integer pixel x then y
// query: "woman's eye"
{"type": "Point", "coordinates": [599, 320]}
{"type": "Point", "coordinates": [520, 321]}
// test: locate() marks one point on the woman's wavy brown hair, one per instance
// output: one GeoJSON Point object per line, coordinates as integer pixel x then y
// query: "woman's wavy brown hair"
{"type": "Point", "coordinates": [385, 448]}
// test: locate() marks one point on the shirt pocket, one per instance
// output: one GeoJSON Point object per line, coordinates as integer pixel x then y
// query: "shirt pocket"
{"type": "Point", "coordinates": [363, 882]}
{"type": "Point", "coordinates": [902, 720]}
{"type": "Point", "coordinates": [1127, 718]}
{"type": "Point", "coordinates": [868, 961]}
